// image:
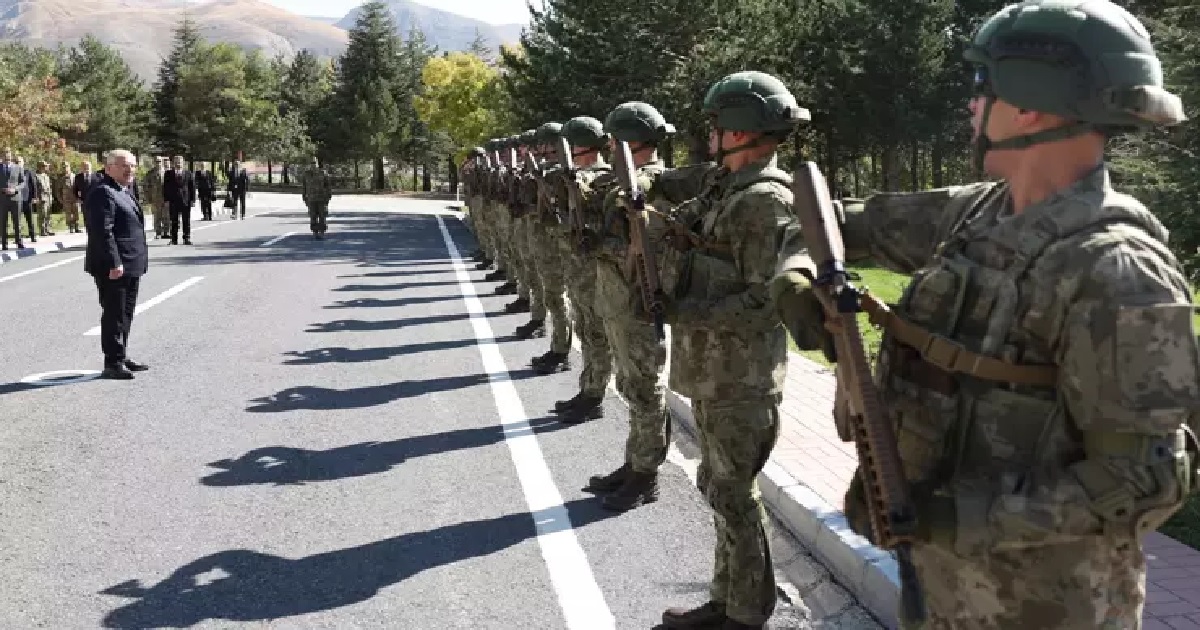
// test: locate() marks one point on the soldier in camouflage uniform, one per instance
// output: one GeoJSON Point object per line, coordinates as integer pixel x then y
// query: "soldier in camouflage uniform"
{"type": "Point", "coordinates": [317, 191]}
{"type": "Point", "coordinates": [587, 185]}
{"type": "Point", "coordinates": [551, 269]}
{"type": "Point", "coordinates": [638, 354]}
{"type": "Point", "coordinates": [489, 210]}
{"type": "Point", "coordinates": [507, 233]}
{"type": "Point", "coordinates": [152, 193]}
{"type": "Point", "coordinates": [1041, 368]}
{"type": "Point", "coordinates": [728, 349]}
{"type": "Point", "coordinates": [64, 183]}
{"type": "Point", "coordinates": [472, 175]}
{"type": "Point", "coordinates": [44, 200]}
{"type": "Point", "coordinates": [523, 207]}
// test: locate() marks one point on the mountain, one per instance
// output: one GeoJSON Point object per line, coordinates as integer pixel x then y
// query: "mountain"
{"type": "Point", "coordinates": [447, 31]}
{"type": "Point", "coordinates": [142, 30]}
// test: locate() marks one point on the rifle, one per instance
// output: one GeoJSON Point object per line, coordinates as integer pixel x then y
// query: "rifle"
{"type": "Point", "coordinates": [574, 212]}
{"type": "Point", "coordinates": [641, 250]}
{"type": "Point", "coordinates": [892, 513]}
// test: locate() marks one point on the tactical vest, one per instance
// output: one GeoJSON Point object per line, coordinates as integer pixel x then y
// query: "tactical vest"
{"type": "Point", "coordinates": [966, 371]}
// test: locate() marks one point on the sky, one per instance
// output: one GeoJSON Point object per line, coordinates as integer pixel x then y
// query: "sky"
{"type": "Point", "coordinates": [492, 11]}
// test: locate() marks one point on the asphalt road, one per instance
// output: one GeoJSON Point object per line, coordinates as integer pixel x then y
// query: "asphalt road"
{"type": "Point", "coordinates": [333, 434]}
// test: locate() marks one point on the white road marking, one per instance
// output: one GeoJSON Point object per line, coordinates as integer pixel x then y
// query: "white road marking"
{"type": "Point", "coordinates": [60, 377]}
{"type": "Point", "coordinates": [158, 299]}
{"type": "Point", "coordinates": [27, 272]}
{"type": "Point", "coordinates": [277, 239]}
{"type": "Point", "coordinates": [579, 595]}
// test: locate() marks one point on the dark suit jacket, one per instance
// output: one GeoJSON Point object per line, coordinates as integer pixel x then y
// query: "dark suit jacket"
{"type": "Point", "coordinates": [179, 187]}
{"type": "Point", "coordinates": [28, 188]}
{"type": "Point", "coordinates": [84, 183]}
{"type": "Point", "coordinates": [116, 230]}
{"type": "Point", "coordinates": [205, 184]}
{"type": "Point", "coordinates": [239, 181]}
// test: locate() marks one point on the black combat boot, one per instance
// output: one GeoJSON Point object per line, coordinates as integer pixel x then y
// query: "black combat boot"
{"type": "Point", "coordinates": [584, 410]}
{"type": "Point", "coordinates": [553, 362]}
{"type": "Point", "coordinates": [639, 489]}
{"type": "Point", "coordinates": [730, 624]}
{"type": "Point", "coordinates": [532, 328]}
{"type": "Point", "coordinates": [568, 404]}
{"type": "Point", "coordinates": [508, 288]}
{"type": "Point", "coordinates": [483, 264]}
{"type": "Point", "coordinates": [495, 275]}
{"type": "Point", "coordinates": [519, 305]}
{"type": "Point", "coordinates": [710, 616]}
{"type": "Point", "coordinates": [609, 482]}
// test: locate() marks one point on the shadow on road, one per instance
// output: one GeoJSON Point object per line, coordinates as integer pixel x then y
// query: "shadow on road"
{"type": "Point", "coordinates": [285, 465]}
{"type": "Point", "coordinates": [326, 399]}
{"type": "Point", "coordinates": [398, 302]}
{"type": "Point", "coordinates": [245, 585]}
{"type": "Point", "coordinates": [359, 325]}
{"type": "Point", "coordinates": [319, 356]}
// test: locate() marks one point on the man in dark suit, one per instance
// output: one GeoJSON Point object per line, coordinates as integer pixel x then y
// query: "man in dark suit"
{"type": "Point", "coordinates": [11, 179]}
{"type": "Point", "coordinates": [179, 190]}
{"type": "Point", "coordinates": [26, 194]}
{"type": "Point", "coordinates": [116, 258]}
{"type": "Point", "coordinates": [239, 183]}
{"type": "Point", "coordinates": [205, 189]}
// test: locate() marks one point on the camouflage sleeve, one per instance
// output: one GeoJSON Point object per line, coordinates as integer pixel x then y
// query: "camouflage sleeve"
{"type": "Point", "coordinates": [760, 213]}
{"type": "Point", "coordinates": [615, 222]}
{"type": "Point", "coordinates": [677, 185]}
{"type": "Point", "coordinates": [1129, 369]}
{"type": "Point", "coordinates": [900, 231]}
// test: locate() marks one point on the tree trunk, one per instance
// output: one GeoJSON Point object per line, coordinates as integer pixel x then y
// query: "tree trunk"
{"type": "Point", "coordinates": [426, 181]}
{"type": "Point", "coordinates": [378, 183]}
{"type": "Point", "coordinates": [270, 173]}
{"type": "Point", "coordinates": [284, 174]}
{"type": "Point", "coordinates": [452, 171]}
{"type": "Point", "coordinates": [416, 178]}
{"type": "Point", "coordinates": [915, 165]}
{"type": "Point", "coordinates": [891, 167]}
{"type": "Point", "coordinates": [357, 175]}
{"type": "Point", "coordinates": [669, 153]}
{"type": "Point", "coordinates": [935, 161]}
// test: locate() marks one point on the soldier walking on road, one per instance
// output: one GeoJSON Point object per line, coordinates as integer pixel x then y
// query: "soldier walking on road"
{"type": "Point", "coordinates": [1041, 368]}
{"type": "Point", "coordinates": [728, 349]}
{"type": "Point", "coordinates": [317, 191]}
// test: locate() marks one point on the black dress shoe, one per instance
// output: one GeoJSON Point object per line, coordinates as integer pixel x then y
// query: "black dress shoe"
{"type": "Point", "coordinates": [117, 373]}
{"type": "Point", "coordinates": [134, 366]}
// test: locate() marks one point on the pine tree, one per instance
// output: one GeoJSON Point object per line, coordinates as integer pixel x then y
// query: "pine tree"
{"type": "Point", "coordinates": [185, 50]}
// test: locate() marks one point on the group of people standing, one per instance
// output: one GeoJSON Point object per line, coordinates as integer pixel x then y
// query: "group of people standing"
{"type": "Point", "coordinates": [171, 190]}
{"type": "Point", "coordinates": [37, 194]}
{"type": "Point", "coordinates": [1041, 371]}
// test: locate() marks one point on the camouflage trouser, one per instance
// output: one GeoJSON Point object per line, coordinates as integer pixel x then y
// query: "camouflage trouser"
{"type": "Point", "coordinates": [317, 217]}
{"type": "Point", "coordinates": [497, 227]}
{"type": "Point", "coordinates": [479, 222]}
{"type": "Point", "coordinates": [512, 254]}
{"type": "Point", "coordinates": [43, 217]}
{"type": "Point", "coordinates": [736, 439]}
{"type": "Point", "coordinates": [639, 359]}
{"type": "Point", "coordinates": [72, 212]}
{"type": "Point", "coordinates": [552, 277]}
{"type": "Point", "coordinates": [597, 358]}
{"type": "Point", "coordinates": [526, 252]}
{"type": "Point", "coordinates": [1095, 583]}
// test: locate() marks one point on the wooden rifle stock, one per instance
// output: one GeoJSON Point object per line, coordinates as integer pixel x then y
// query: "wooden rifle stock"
{"type": "Point", "coordinates": [892, 513]}
{"type": "Point", "coordinates": [641, 250]}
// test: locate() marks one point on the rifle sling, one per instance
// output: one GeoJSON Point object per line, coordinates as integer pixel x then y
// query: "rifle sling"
{"type": "Point", "coordinates": [952, 357]}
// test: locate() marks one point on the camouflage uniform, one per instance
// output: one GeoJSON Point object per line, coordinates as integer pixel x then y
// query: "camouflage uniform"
{"type": "Point", "coordinates": [44, 200]}
{"type": "Point", "coordinates": [586, 189]}
{"type": "Point", "coordinates": [550, 264]}
{"type": "Point", "coordinates": [317, 191]}
{"type": "Point", "coordinates": [152, 193]}
{"type": "Point", "coordinates": [728, 348]}
{"type": "Point", "coordinates": [65, 184]}
{"type": "Point", "coordinates": [1041, 367]}
{"type": "Point", "coordinates": [638, 354]}
{"type": "Point", "coordinates": [524, 240]}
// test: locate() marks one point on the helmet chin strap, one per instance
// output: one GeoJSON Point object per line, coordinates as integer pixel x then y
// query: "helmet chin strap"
{"type": "Point", "coordinates": [723, 153]}
{"type": "Point", "coordinates": [983, 143]}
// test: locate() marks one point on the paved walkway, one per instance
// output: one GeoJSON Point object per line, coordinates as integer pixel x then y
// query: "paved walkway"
{"type": "Point", "coordinates": [810, 451]}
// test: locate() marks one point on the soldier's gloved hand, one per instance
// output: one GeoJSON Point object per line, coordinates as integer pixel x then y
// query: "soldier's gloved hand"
{"type": "Point", "coordinates": [801, 312]}
{"type": "Point", "coordinates": [858, 516]}
{"type": "Point", "coordinates": [937, 516]}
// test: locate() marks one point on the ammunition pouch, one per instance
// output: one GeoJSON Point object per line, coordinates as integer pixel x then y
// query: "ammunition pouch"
{"type": "Point", "coordinates": [1169, 463]}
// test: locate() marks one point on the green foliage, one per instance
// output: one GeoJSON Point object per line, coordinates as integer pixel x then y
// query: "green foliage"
{"type": "Point", "coordinates": [106, 96]}
{"type": "Point", "coordinates": [186, 50]}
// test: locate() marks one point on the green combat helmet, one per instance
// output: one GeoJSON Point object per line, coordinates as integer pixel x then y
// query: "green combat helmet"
{"type": "Point", "coordinates": [585, 131]}
{"type": "Point", "coordinates": [478, 152]}
{"type": "Point", "coordinates": [1089, 61]}
{"type": "Point", "coordinates": [549, 133]}
{"type": "Point", "coordinates": [637, 122]}
{"type": "Point", "coordinates": [755, 102]}
{"type": "Point", "coordinates": [528, 138]}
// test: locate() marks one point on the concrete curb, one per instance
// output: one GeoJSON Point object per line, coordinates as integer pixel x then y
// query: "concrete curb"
{"type": "Point", "coordinates": [868, 572]}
